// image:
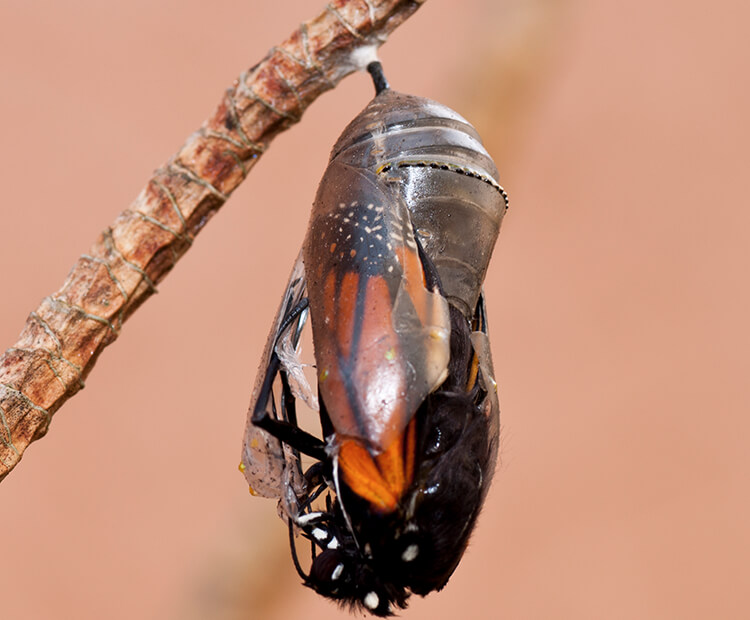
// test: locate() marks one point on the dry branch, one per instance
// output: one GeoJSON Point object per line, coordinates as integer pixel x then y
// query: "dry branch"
{"type": "Point", "coordinates": [63, 337]}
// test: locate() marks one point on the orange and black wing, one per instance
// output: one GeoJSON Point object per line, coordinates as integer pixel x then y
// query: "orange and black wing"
{"type": "Point", "coordinates": [381, 332]}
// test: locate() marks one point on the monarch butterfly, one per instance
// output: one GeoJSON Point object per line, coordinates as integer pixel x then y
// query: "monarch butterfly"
{"type": "Point", "coordinates": [390, 275]}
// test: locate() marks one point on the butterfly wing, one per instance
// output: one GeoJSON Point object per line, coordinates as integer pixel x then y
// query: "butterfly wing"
{"type": "Point", "coordinates": [381, 332]}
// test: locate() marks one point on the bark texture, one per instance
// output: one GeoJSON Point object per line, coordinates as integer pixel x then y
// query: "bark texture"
{"type": "Point", "coordinates": [64, 336]}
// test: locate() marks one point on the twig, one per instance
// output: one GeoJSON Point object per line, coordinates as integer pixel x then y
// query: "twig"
{"type": "Point", "coordinates": [64, 336]}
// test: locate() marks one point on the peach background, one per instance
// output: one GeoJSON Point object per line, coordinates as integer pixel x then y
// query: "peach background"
{"type": "Point", "coordinates": [618, 304]}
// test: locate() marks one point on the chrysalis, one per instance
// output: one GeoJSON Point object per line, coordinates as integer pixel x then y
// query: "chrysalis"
{"type": "Point", "coordinates": [390, 274]}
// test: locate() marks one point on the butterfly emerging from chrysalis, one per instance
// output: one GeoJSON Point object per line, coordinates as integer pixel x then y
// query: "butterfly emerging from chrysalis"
{"type": "Point", "coordinates": [390, 276]}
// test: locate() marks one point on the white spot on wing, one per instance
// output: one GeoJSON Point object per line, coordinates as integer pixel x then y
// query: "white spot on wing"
{"type": "Point", "coordinates": [308, 517]}
{"type": "Point", "coordinates": [319, 533]}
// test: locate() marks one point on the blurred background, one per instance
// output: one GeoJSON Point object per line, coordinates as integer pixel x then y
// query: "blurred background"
{"type": "Point", "coordinates": [617, 307]}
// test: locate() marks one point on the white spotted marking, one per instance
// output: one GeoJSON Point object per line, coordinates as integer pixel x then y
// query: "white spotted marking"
{"type": "Point", "coordinates": [348, 237]}
{"type": "Point", "coordinates": [390, 268]}
{"type": "Point", "coordinates": [379, 237]}
{"type": "Point", "coordinates": [410, 553]}
{"type": "Point", "coordinates": [411, 527]}
{"type": "Point", "coordinates": [337, 572]}
{"type": "Point", "coordinates": [354, 204]}
{"type": "Point", "coordinates": [311, 516]}
{"type": "Point", "coordinates": [342, 205]}
{"type": "Point", "coordinates": [319, 533]}
{"type": "Point", "coordinates": [370, 206]}
{"type": "Point", "coordinates": [368, 230]}
{"type": "Point", "coordinates": [346, 220]}
{"type": "Point", "coordinates": [378, 227]}
{"type": "Point", "coordinates": [334, 544]}
{"type": "Point", "coordinates": [371, 601]}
